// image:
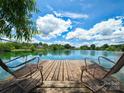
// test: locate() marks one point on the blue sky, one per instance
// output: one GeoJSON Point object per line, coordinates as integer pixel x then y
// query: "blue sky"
{"type": "Point", "coordinates": [80, 22]}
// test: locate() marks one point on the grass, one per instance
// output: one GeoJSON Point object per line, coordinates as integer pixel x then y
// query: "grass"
{"type": "Point", "coordinates": [15, 50]}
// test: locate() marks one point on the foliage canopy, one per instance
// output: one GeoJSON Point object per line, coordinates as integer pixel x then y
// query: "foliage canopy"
{"type": "Point", "coordinates": [15, 18]}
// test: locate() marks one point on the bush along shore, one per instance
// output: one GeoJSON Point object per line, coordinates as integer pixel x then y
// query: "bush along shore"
{"type": "Point", "coordinates": [8, 47]}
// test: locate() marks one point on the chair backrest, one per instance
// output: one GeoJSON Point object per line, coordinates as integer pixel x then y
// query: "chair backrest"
{"type": "Point", "coordinates": [119, 64]}
{"type": "Point", "coordinates": [6, 68]}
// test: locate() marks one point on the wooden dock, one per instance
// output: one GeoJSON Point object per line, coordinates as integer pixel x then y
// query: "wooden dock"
{"type": "Point", "coordinates": [61, 76]}
{"type": "Point", "coordinates": [62, 70]}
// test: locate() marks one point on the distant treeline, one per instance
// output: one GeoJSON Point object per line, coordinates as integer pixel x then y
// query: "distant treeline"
{"type": "Point", "coordinates": [104, 47]}
{"type": "Point", "coordinates": [43, 47]}
{"type": "Point", "coordinates": [32, 47]}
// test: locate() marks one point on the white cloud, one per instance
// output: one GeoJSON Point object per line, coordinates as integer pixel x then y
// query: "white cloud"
{"type": "Point", "coordinates": [62, 42]}
{"type": "Point", "coordinates": [71, 15]}
{"type": "Point", "coordinates": [34, 40]}
{"type": "Point", "coordinates": [51, 26]}
{"type": "Point", "coordinates": [79, 34]}
{"type": "Point", "coordinates": [110, 31]}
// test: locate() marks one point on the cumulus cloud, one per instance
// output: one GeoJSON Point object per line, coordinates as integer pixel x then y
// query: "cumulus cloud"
{"type": "Point", "coordinates": [34, 40]}
{"type": "Point", "coordinates": [71, 15]}
{"type": "Point", "coordinates": [79, 34]}
{"type": "Point", "coordinates": [51, 26]}
{"type": "Point", "coordinates": [62, 42]}
{"type": "Point", "coordinates": [109, 31]}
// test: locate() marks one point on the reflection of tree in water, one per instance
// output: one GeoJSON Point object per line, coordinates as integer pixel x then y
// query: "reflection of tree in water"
{"type": "Point", "coordinates": [84, 52]}
{"type": "Point", "coordinates": [67, 52]}
{"type": "Point", "coordinates": [40, 55]}
{"type": "Point", "coordinates": [55, 52]}
{"type": "Point", "coordinates": [105, 53]}
{"type": "Point", "coordinates": [92, 53]}
{"type": "Point", "coordinates": [9, 55]}
{"type": "Point", "coordinates": [5, 55]}
{"type": "Point", "coordinates": [60, 52]}
{"type": "Point", "coordinates": [43, 53]}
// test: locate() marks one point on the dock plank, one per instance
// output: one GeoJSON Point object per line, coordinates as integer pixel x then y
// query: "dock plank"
{"type": "Point", "coordinates": [60, 71]}
{"type": "Point", "coordinates": [74, 70]}
{"type": "Point", "coordinates": [66, 77]}
{"type": "Point", "coordinates": [69, 71]}
{"type": "Point", "coordinates": [57, 71]}
{"type": "Point", "coordinates": [48, 71]}
{"type": "Point", "coordinates": [52, 72]}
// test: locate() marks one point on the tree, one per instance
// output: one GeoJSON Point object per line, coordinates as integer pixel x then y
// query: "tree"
{"type": "Point", "coordinates": [111, 48]}
{"type": "Point", "coordinates": [6, 47]}
{"type": "Point", "coordinates": [67, 46]}
{"type": "Point", "coordinates": [92, 47]}
{"type": "Point", "coordinates": [32, 48]}
{"type": "Point", "coordinates": [105, 46]}
{"type": "Point", "coordinates": [85, 47]}
{"type": "Point", "coordinates": [41, 43]}
{"type": "Point", "coordinates": [45, 46]}
{"type": "Point", "coordinates": [35, 44]}
{"type": "Point", "coordinates": [15, 18]}
{"type": "Point", "coordinates": [56, 47]}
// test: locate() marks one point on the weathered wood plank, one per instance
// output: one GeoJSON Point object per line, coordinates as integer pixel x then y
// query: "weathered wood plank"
{"type": "Point", "coordinates": [63, 71]}
{"type": "Point", "coordinates": [57, 71]}
{"type": "Point", "coordinates": [46, 75]}
{"type": "Point", "coordinates": [53, 77]}
{"type": "Point", "coordinates": [66, 77]}
{"type": "Point", "coordinates": [69, 71]}
{"type": "Point", "coordinates": [62, 84]}
{"type": "Point", "coordinates": [60, 71]}
{"type": "Point", "coordinates": [52, 72]}
{"type": "Point", "coordinates": [73, 70]}
{"type": "Point", "coordinates": [62, 90]}
{"type": "Point", "coordinates": [46, 68]}
{"type": "Point", "coordinates": [62, 87]}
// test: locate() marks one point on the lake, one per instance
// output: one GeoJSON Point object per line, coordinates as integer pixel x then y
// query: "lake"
{"type": "Point", "coordinates": [61, 55]}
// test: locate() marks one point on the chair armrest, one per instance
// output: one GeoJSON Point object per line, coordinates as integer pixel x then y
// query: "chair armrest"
{"type": "Point", "coordinates": [15, 59]}
{"type": "Point", "coordinates": [105, 59]}
{"type": "Point", "coordinates": [23, 63]}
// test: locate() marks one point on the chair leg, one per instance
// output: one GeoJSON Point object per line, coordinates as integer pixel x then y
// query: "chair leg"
{"type": "Point", "coordinates": [41, 69]}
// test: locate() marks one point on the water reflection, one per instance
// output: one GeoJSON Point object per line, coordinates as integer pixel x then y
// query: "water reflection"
{"type": "Point", "coordinates": [105, 53]}
{"type": "Point", "coordinates": [92, 53]}
{"type": "Point", "coordinates": [67, 54]}
{"type": "Point", "coordinates": [64, 52]}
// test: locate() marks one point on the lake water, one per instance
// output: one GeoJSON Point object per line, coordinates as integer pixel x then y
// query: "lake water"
{"type": "Point", "coordinates": [61, 55]}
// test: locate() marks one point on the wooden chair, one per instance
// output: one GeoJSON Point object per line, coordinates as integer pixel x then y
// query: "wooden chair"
{"type": "Point", "coordinates": [98, 79]}
{"type": "Point", "coordinates": [25, 82]}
